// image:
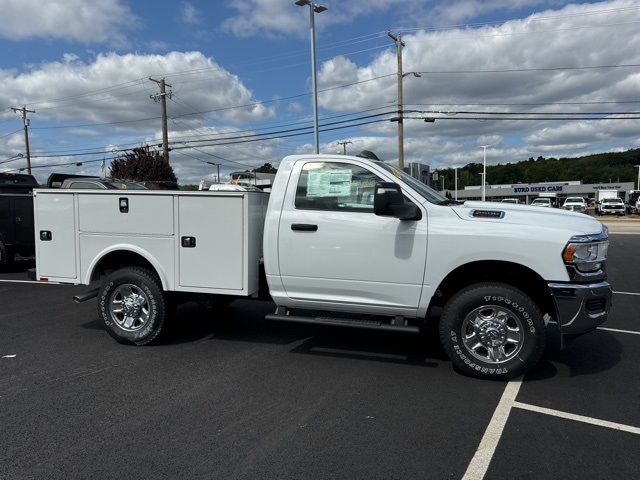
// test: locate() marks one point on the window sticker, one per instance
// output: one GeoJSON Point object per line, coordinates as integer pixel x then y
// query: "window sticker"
{"type": "Point", "coordinates": [329, 183]}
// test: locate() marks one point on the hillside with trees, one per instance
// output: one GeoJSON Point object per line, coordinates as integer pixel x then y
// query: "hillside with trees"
{"type": "Point", "coordinates": [597, 168]}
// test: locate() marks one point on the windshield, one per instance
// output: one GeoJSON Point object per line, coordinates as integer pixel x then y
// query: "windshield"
{"type": "Point", "coordinates": [424, 190]}
{"type": "Point", "coordinates": [611, 200]}
{"type": "Point", "coordinates": [541, 200]}
{"type": "Point", "coordinates": [574, 200]}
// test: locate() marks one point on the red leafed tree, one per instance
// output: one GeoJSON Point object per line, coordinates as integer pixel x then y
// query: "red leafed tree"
{"type": "Point", "coordinates": [142, 165]}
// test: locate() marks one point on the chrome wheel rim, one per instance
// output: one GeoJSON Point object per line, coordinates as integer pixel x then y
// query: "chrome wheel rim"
{"type": "Point", "coordinates": [129, 307]}
{"type": "Point", "coordinates": [493, 334]}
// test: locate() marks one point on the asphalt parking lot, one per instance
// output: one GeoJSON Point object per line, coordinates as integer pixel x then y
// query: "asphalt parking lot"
{"type": "Point", "coordinates": [231, 395]}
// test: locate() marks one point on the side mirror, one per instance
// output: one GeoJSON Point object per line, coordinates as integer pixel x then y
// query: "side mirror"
{"type": "Point", "coordinates": [388, 201]}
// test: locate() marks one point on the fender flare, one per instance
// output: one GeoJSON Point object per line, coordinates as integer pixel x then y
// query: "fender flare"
{"type": "Point", "coordinates": [132, 249]}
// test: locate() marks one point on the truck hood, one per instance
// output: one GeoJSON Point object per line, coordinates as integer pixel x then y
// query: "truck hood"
{"type": "Point", "coordinates": [578, 223]}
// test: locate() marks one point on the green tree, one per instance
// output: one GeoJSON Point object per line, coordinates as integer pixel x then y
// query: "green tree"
{"type": "Point", "coordinates": [266, 168]}
{"type": "Point", "coordinates": [142, 164]}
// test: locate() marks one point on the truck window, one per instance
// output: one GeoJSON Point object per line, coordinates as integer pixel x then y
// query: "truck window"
{"type": "Point", "coordinates": [84, 185]}
{"type": "Point", "coordinates": [335, 186]}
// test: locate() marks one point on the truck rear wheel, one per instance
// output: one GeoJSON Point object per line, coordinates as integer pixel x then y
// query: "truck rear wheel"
{"type": "Point", "coordinates": [132, 305]}
{"type": "Point", "coordinates": [492, 330]}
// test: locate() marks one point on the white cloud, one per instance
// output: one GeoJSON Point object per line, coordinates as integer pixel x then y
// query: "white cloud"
{"type": "Point", "coordinates": [114, 88]}
{"type": "Point", "coordinates": [190, 14]}
{"type": "Point", "coordinates": [572, 36]}
{"type": "Point", "coordinates": [278, 17]}
{"type": "Point", "coordinates": [76, 20]}
{"type": "Point", "coordinates": [121, 90]}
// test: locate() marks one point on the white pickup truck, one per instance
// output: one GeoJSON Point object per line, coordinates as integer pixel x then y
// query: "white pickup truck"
{"type": "Point", "coordinates": [342, 241]}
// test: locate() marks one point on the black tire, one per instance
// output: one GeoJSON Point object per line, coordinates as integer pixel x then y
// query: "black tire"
{"type": "Point", "coordinates": [147, 288]}
{"type": "Point", "coordinates": [481, 301]}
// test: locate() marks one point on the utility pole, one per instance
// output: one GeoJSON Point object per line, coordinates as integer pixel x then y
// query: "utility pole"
{"type": "Point", "coordinates": [399, 44]}
{"type": "Point", "coordinates": [442, 184]}
{"type": "Point", "coordinates": [25, 121]}
{"type": "Point", "coordinates": [162, 98]}
{"type": "Point", "coordinates": [344, 146]}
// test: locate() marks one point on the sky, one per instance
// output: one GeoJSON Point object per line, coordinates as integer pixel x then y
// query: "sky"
{"type": "Point", "coordinates": [528, 77]}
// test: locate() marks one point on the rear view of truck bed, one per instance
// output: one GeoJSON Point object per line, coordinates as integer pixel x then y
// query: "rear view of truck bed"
{"type": "Point", "coordinates": [205, 242]}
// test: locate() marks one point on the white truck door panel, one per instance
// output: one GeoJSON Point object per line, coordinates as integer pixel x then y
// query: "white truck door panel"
{"type": "Point", "coordinates": [352, 256]}
{"type": "Point", "coordinates": [217, 224]}
{"type": "Point", "coordinates": [56, 258]}
{"type": "Point", "coordinates": [148, 214]}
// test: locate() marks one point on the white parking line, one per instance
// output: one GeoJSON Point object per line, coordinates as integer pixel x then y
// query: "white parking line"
{"type": "Point", "coordinates": [627, 293]}
{"type": "Point", "coordinates": [618, 330]}
{"type": "Point", "coordinates": [482, 458]}
{"type": "Point", "coordinates": [578, 418]}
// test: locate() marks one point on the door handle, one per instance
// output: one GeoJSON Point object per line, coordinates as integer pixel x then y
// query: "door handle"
{"type": "Point", "coordinates": [188, 242]}
{"type": "Point", "coordinates": [304, 227]}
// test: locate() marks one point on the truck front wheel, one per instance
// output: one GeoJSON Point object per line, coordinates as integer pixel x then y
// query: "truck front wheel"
{"type": "Point", "coordinates": [492, 330]}
{"type": "Point", "coordinates": [132, 305]}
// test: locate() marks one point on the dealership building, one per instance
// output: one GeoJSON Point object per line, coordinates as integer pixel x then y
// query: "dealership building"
{"type": "Point", "coordinates": [526, 192]}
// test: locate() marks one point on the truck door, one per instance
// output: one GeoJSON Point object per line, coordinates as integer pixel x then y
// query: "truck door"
{"type": "Point", "coordinates": [333, 248]}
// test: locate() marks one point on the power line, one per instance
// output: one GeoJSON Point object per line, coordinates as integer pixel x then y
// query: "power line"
{"type": "Point", "coordinates": [233, 107]}
{"type": "Point", "coordinates": [535, 69]}
{"type": "Point", "coordinates": [525, 118]}
{"type": "Point", "coordinates": [532, 18]}
{"type": "Point", "coordinates": [11, 133]}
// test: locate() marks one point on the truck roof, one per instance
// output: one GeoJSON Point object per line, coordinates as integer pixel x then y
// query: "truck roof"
{"type": "Point", "coordinates": [17, 180]}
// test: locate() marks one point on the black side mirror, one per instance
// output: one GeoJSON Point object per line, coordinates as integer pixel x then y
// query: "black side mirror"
{"type": "Point", "coordinates": [388, 201]}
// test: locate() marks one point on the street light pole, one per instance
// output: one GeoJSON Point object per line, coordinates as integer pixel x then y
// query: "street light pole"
{"type": "Point", "coordinates": [638, 167]}
{"type": "Point", "coordinates": [455, 183]}
{"type": "Point", "coordinates": [484, 170]}
{"type": "Point", "coordinates": [313, 8]}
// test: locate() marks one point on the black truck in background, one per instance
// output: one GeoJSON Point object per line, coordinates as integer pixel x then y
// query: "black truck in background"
{"type": "Point", "coordinates": [16, 217]}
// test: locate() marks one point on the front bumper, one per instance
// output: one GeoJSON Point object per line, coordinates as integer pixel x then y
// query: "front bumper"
{"type": "Point", "coordinates": [575, 209]}
{"type": "Point", "coordinates": [580, 307]}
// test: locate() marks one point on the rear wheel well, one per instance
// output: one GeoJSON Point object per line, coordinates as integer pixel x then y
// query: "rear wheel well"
{"type": "Point", "coordinates": [519, 276]}
{"type": "Point", "coordinates": [113, 261]}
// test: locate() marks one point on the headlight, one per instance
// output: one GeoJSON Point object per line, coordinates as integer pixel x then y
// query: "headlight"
{"type": "Point", "coordinates": [587, 253]}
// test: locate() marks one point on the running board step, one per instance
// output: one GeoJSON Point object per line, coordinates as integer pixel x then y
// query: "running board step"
{"type": "Point", "coordinates": [83, 297]}
{"type": "Point", "coordinates": [343, 322]}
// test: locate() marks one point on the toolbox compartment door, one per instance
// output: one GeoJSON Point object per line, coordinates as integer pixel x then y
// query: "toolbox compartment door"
{"type": "Point", "coordinates": [215, 257]}
{"type": "Point", "coordinates": [56, 256]}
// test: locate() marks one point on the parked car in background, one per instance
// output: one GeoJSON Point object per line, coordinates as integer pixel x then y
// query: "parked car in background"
{"type": "Point", "coordinates": [90, 183]}
{"type": "Point", "coordinates": [542, 202]}
{"type": "Point", "coordinates": [575, 204]}
{"type": "Point", "coordinates": [16, 217]}
{"type": "Point", "coordinates": [510, 200]}
{"type": "Point", "coordinates": [632, 201]}
{"type": "Point", "coordinates": [611, 206]}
